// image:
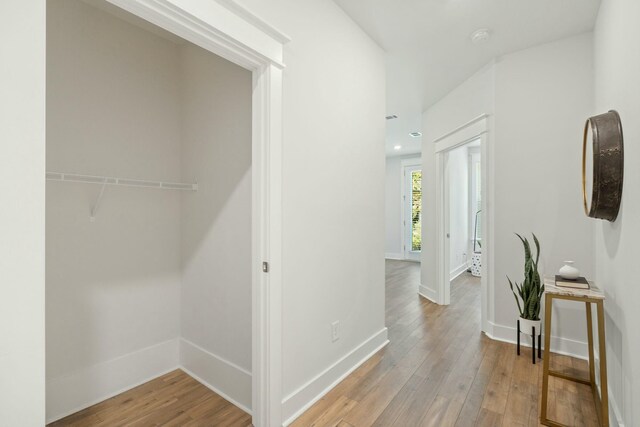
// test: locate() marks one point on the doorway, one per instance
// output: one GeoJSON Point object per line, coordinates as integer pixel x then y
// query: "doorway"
{"type": "Point", "coordinates": [412, 211]}
{"type": "Point", "coordinates": [473, 135]}
{"type": "Point", "coordinates": [463, 202]}
{"type": "Point", "coordinates": [260, 179]}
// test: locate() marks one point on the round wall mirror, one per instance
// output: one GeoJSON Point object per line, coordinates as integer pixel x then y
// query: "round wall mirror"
{"type": "Point", "coordinates": [602, 166]}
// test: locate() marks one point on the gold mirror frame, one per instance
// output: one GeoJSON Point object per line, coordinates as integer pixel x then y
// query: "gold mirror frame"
{"type": "Point", "coordinates": [608, 165]}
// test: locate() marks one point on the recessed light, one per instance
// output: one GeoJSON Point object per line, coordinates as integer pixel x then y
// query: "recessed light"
{"type": "Point", "coordinates": [391, 117]}
{"type": "Point", "coordinates": [480, 36]}
{"type": "Point", "coordinates": [397, 147]}
{"type": "Point", "coordinates": [415, 134]}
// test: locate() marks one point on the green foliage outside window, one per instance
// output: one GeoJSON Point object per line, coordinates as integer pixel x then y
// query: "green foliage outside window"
{"type": "Point", "coordinates": [416, 210]}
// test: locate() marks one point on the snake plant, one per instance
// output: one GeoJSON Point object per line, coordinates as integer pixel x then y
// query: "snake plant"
{"type": "Point", "coordinates": [531, 289]}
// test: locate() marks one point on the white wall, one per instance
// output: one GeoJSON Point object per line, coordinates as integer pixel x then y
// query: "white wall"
{"type": "Point", "coordinates": [334, 93]}
{"type": "Point", "coordinates": [216, 223]}
{"type": "Point", "coordinates": [333, 206]}
{"type": "Point", "coordinates": [113, 285]}
{"type": "Point", "coordinates": [468, 101]}
{"type": "Point", "coordinates": [22, 221]}
{"type": "Point", "coordinates": [539, 99]}
{"type": "Point", "coordinates": [617, 65]}
{"type": "Point", "coordinates": [458, 168]}
{"type": "Point", "coordinates": [393, 206]}
{"type": "Point", "coordinates": [543, 96]}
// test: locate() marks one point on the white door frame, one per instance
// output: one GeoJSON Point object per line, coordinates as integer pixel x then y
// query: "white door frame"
{"type": "Point", "coordinates": [225, 28]}
{"type": "Point", "coordinates": [406, 225]}
{"type": "Point", "coordinates": [475, 129]}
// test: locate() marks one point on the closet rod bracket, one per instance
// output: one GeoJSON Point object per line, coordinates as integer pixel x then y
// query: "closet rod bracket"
{"type": "Point", "coordinates": [96, 205]}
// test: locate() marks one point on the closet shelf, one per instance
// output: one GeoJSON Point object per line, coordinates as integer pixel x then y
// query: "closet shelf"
{"type": "Point", "coordinates": [126, 182]}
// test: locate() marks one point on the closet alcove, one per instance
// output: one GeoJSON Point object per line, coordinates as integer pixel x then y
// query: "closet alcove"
{"type": "Point", "coordinates": [148, 210]}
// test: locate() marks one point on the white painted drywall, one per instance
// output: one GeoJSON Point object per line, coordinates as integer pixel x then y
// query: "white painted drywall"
{"type": "Point", "coordinates": [617, 67]}
{"type": "Point", "coordinates": [113, 285]}
{"type": "Point", "coordinates": [393, 209]}
{"type": "Point", "coordinates": [468, 101]}
{"type": "Point", "coordinates": [538, 98]}
{"type": "Point", "coordinates": [458, 169]}
{"type": "Point", "coordinates": [216, 222]}
{"type": "Point", "coordinates": [22, 218]}
{"type": "Point", "coordinates": [333, 203]}
{"type": "Point", "coordinates": [393, 206]}
{"type": "Point", "coordinates": [543, 95]}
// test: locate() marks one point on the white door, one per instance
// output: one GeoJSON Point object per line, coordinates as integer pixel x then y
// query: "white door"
{"type": "Point", "coordinates": [412, 212]}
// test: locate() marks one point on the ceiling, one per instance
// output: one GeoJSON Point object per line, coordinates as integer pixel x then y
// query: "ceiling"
{"type": "Point", "coordinates": [429, 48]}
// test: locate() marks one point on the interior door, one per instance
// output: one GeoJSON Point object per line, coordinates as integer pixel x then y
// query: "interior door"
{"type": "Point", "coordinates": [412, 212]}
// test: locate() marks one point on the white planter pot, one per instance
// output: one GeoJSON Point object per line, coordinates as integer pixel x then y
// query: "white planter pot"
{"type": "Point", "coordinates": [526, 325]}
{"type": "Point", "coordinates": [476, 264]}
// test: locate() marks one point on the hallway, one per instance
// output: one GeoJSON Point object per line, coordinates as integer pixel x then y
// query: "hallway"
{"type": "Point", "coordinates": [440, 370]}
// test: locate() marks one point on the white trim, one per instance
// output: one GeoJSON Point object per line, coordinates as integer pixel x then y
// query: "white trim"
{"type": "Point", "coordinates": [212, 26]}
{"type": "Point", "coordinates": [266, 246]}
{"type": "Point", "coordinates": [477, 128]}
{"type": "Point", "coordinates": [413, 161]}
{"type": "Point", "coordinates": [296, 403]}
{"type": "Point", "coordinates": [75, 391]}
{"type": "Point", "coordinates": [469, 124]}
{"type": "Point", "coordinates": [559, 345]}
{"type": "Point", "coordinates": [442, 226]}
{"type": "Point", "coordinates": [225, 378]}
{"type": "Point", "coordinates": [393, 255]}
{"type": "Point", "coordinates": [458, 271]}
{"type": "Point", "coordinates": [258, 22]}
{"type": "Point", "coordinates": [233, 33]}
{"type": "Point", "coordinates": [215, 390]}
{"type": "Point", "coordinates": [428, 293]}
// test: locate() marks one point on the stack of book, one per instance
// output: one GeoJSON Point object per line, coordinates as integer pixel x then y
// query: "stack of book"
{"type": "Point", "coordinates": [579, 283]}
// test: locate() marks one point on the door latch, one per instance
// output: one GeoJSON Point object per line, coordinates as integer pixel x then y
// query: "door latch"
{"type": "Point", "coordinates": [265, 267]}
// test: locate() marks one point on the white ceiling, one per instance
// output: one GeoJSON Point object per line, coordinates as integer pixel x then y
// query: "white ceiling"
{"type": "Point", "coordinates": [429, 50]}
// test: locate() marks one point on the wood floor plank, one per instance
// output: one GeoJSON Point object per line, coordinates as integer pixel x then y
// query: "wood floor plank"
{"type": "Point", "coordinates": [174, 399]}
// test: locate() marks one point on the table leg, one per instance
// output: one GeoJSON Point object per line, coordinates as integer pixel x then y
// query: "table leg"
{"type": "Point", "coordinates": [545, 361]}
{"type": "Point", "coordinates": [604, 391]}
{"type": "Point", "coordinates": [592, 374]}
{"type": "Point", "coordinates": [540, 345]}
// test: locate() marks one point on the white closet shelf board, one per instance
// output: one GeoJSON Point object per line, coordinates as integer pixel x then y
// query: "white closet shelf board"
{"type": "Point", "coordinates": [125, 182]}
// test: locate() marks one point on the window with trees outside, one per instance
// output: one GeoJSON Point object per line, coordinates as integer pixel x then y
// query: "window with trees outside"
{"type": "Point", "coordinates": [416, 210]}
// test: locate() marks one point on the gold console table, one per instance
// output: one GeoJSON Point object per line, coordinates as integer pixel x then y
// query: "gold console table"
{"type": "Point", "coordinates": [588, 296]}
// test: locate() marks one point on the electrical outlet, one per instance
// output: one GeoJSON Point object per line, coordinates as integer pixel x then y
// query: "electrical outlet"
{"type": "Point", "coordinates": [334, 331]}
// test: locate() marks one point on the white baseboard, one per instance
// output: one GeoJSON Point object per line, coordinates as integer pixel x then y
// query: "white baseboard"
{"type": "Point", "coordinates": [560, 345]}
{"type": "Point", "coordinates": [303, 398]}
{"type": "Point", "coordinates": [223, 377]}
{"type": "Point", "coordinates": [70, 393]}
{"type": "Point", "coordinates": [393, 255]}
{"type": "Point", "coordinates": [428, 293]}
{"type": "Point", "coordinates": [458, 271]}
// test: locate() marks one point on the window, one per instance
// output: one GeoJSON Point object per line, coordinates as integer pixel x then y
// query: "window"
{"type": "Point", "coordinates": [416, 210]}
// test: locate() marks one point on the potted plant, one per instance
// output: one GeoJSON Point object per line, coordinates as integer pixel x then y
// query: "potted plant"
{"type": "Point", "coordinates": [528, 294]}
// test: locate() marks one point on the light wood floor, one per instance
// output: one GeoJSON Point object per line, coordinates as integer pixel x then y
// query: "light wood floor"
{"type": "Point", "coordinates": [438, 370]}
{"type": "Point", "coordinates": [175, 399]}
